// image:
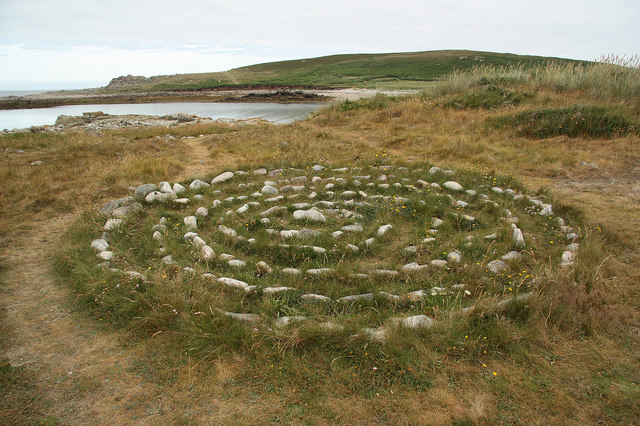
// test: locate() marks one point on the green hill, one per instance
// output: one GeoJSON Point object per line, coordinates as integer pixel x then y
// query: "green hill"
{"type": "Point", "coordinates": [386, 70]}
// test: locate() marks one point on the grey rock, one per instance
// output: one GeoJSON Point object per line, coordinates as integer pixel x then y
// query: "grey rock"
{"type": "Point", "coordinates": [356, 297]}
{"type": "Point", "coordinates": [142, 191]}
{"type": "Point", "coordinates": [123, 211]}
{"type": "Point", "coordinates": [269, 190]}
{"type": "Point", "coordinates": [114, 204]}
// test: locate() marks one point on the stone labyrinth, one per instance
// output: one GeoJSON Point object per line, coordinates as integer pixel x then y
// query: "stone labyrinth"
{"type": "Point", "coordinates": [362, 249]}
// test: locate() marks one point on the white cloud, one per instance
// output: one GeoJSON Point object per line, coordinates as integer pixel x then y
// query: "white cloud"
{"type": "Point", "coordinates": [72, 39]}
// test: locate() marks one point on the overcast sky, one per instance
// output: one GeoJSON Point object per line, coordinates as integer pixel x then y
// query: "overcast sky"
{"type": "Point", "coordinates": [84, 43]}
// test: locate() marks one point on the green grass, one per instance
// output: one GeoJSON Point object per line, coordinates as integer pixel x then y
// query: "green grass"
{"type": "Point", "coordinates": [409, 70]}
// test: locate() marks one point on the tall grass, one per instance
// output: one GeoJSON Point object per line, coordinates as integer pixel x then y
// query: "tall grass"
{"type": "Point", "coordinates": [610, 78]}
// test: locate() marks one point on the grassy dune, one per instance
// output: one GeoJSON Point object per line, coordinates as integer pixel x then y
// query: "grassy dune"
{"type": "Point", "coordinates": [383, 71]}
{"type": "Point", "coordinates": [570, 355]}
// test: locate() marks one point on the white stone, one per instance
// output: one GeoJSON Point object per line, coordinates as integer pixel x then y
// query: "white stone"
{"type": "Point", "coordinates": [352, 248]}
{"type": "Point", "coordinates": [248, 318]}
{"type": "Point", "coordinates": [496, 266]}
{"type": "Point", "coordinates": [438, 263]}
{"type": "Point", "coordinates": [237, 263]}
{"type": "Point", "coordinates": [315, 298]}
{"type": "Point", "coordinates": [168, 260]}
{"type": "Point", "coordinates": [233, 283]}
{"type": "Point", "coordinates": [181, 201]}
{"type": "Point", "coordinates": [225, 257]}
{"type": "Point", "coordinates": [454, 257]}
{"type": "Point", "coordinates": [269, 190]}
{"type": "Point", "coordinates": [413, 267]}
{"type": "Point", "coordinates": [417, 321]}
{"type": "Point", "coordinates": [105, 255]}
{"type": "Point", "coordinates": [337, 234]}
{"type": "Point", "coordinates": [452, 186]}
{"type": "Point", "coordinates": [356, 297]}
{"type": "Point", "coordinates": [384, 229]}
{"type": "Point", "coordinates": [285, 321]}
{"type": "Point", "coordinates": [368, 242]}
{"type": "Point", "coordinates": [202, 212]}
{"type": "Point", "coordinates": [207, 252]}
{"type": "Point", "coordinates": [301, 205]}
{"type": "Point", "coordinates": [157, 235]}
{"type": "Point", "coordinates": [199, 242]}
{"type": "Point", "coordinates": [319, 271]}
{"type": "Point", "coordinates": [274, 199]}
{"type": "Point", "coordinates": [429, 240]}
{"type": "Point", "coordinates": [243, 209]}
{"type": "Point", "coordinates": [312, 215]}
{"type": "Point", "coordinates": [274, 290]}
{"type": "Point", "coordinates": [99, 245]}
{"type": "Point", "coordinates": [352, 228]}
{"type": "Point", "coordinates": [568, 258]}
{"type": "Point", "coordinates": [289, 233]}
{"type": "Point", "coordinates": [177, 188]}
{"type": "Point", "coordinates": [261, 171]}
{"type": "Point", "coordinates": [112, 224]}
{"type": "Point", "coordinates": [497, 190]}
{"type": "Point", "coordinates": [547, 210]}
{"type": "Point", "coordinates": [511, 256]}
{"type": "Point", "coordinates": [291, 271]}
{"type": "Point", "coordinates": [436, 222]}
{"type": "Point", "coordinates": [222, 177]}
{"type": "Point", "coordinates": [165, 187]}
{"type": "Point", "coordinates": [518, 238]}
{"type": "Point", "coordinates": [191, 222]}
{"type": "Point", "coordinates": [197, 184]}
{"type": "Point", "coordinates": [227, 231]}
{"type": "Point", "coordinates": [263, 267]}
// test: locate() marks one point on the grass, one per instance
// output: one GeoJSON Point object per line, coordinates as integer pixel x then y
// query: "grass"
{"type": "Point", "coordinates": [568, 355]}
{"type": "Point", "coordinates": [575, 121]}
{"type": "Point", "coordinates": [408, 70]}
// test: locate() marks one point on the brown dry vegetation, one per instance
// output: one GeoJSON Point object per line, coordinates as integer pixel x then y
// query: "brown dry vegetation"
{"type": "Point", "coordinates": [584, 367]}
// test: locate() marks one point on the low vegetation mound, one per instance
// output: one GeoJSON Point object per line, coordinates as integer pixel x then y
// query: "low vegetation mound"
{"type": "Point", "coordinates": [574, 121]}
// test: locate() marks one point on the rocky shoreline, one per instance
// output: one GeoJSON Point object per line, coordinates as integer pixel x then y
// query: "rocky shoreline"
{"type": "Point", "coordinates": [96, 122]}
{"type": "Point", "coordinates": [105, 96]}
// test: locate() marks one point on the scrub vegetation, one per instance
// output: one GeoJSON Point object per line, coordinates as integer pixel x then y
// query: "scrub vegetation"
{"type": "Point", "coordinates": [569, 354]}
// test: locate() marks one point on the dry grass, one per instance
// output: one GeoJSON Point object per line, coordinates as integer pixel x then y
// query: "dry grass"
{"type": "Point", "coordinates": [583, 367]}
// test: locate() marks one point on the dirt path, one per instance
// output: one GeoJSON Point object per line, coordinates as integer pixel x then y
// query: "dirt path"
{"type": "Point", "coordinates": [84, 373]}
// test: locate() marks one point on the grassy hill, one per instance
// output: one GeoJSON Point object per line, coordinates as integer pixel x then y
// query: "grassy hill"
{"type": "Point", "coordinates": [411, 70]}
